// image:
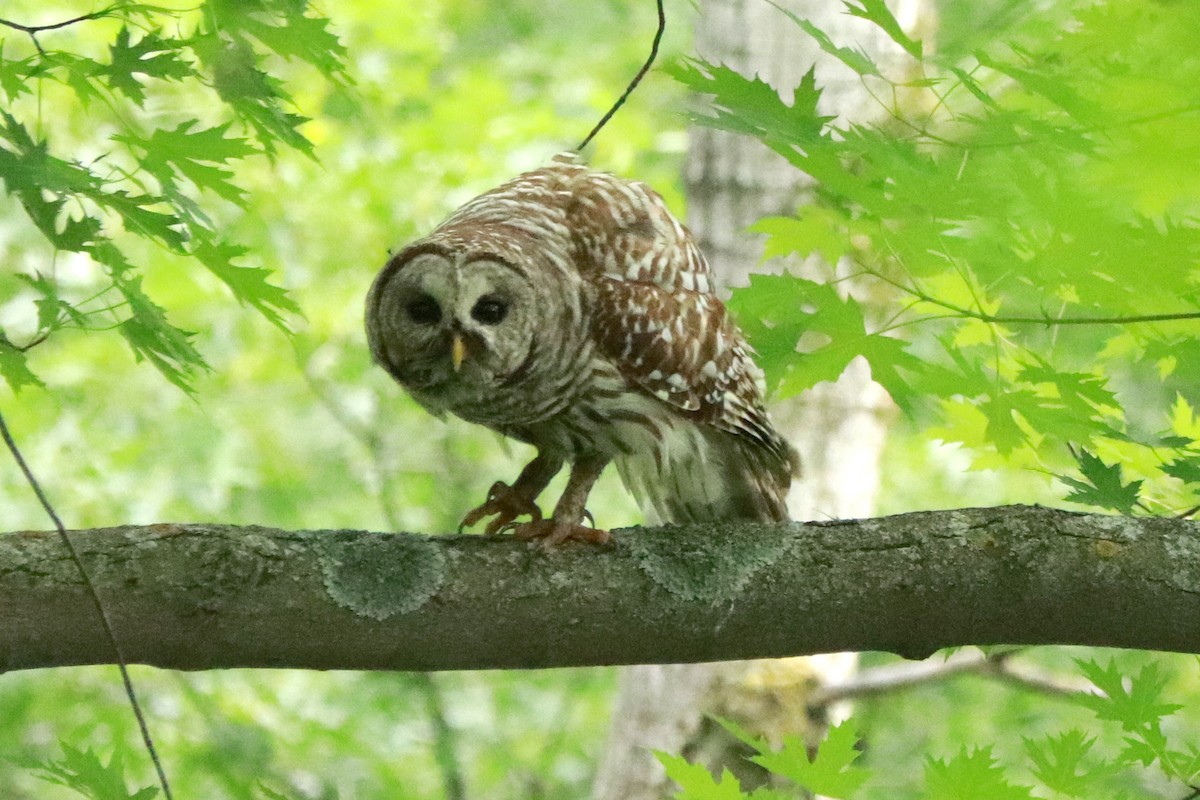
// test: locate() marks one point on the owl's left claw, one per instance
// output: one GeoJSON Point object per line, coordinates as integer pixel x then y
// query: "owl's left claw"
{"type": "Point", "coordinates": [506, 503]}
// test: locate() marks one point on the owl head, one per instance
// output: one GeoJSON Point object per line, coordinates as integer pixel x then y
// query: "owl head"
{"type": "Point", "coordinates": [450, 324]}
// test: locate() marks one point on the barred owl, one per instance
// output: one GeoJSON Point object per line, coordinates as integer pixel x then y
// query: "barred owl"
{"type": "Point", "coordinates": [570, 310]}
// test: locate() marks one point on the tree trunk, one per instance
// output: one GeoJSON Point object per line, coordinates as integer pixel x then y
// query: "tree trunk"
{"type": "Point", "coordinates": [838, 428]}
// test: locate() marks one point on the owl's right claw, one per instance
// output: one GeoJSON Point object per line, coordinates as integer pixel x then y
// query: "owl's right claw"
{"type": "Point", "coordinates": [506, 503]}
{"type": "Point", "coordinates": [550, 533]}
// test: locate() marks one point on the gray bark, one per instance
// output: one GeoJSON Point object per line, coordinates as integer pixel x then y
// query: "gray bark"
{"type": "Point", "coordinates": [210, 596]}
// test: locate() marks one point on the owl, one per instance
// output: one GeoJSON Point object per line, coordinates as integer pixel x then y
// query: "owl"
{"type": "Point", "coordinates": [569, 309]}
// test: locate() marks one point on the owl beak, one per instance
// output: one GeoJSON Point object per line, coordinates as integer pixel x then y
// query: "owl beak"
{"type": "Point", "coordinates": [458, 351]}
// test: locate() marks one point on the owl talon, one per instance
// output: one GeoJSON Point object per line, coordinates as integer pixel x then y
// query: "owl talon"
{"type": "Point", "coordinates": [506, 503]}
{"type": "Point", "coordinates": [550, 533]}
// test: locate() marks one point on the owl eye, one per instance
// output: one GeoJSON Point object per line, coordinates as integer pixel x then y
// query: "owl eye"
{"type": "Point", "coordinates": [423, 310]}
{"type": "Point", "coordinates": [490, 310]}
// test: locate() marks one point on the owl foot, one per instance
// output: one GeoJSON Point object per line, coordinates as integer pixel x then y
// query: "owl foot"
{"type": "Point", "coordinates": [506, 503]}
{"type": "Point", "coordinates": [550, 533]}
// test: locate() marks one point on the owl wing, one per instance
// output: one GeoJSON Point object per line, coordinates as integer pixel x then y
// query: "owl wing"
{"type": "Point", "coordinates": [656, 315]}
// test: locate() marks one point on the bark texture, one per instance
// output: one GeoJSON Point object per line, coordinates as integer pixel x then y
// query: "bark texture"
{"type": "Point", "coordinates": [210, 596]}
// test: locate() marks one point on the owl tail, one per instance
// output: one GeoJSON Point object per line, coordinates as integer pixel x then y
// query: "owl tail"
{"type": "Point", "coordinates": [702, 474]}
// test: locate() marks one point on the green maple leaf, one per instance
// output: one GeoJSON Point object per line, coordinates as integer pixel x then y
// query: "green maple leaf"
{"type": "Point", "coordinates": [964, 377]}
{"type": "Point", "coordinates": [42, 212]}
{"type": "Point", "coordinates": [779, 313]}
{"type": "Point", "coordinates": [48, 303]}
{"type": "Point", "coordinates": [77, 72]}
{"type": "Point", "coordinates": [14, 366]}
{"type": "Point", "coordinates": [1047, 416]}
{"type": "Point", "coordinates": [697, 783]}
{"type": "Point", "coordinates": [31, 173]}
{"type": "Point", "coordinates": [830, 772]}
{"type": "Point", "coordinates": [813, 230]}
{"type": "Point", "coordinates": [752, 106]}
{"type": "Point", "coordinates": [254, 96]}
{"type": "Point", "coordinates": [1186, 764]}
{"type": "Point", "coordinates": [153, 338]}
{"type": "Point", "coordinates": [1179, 359]}
{"type": "Point", "coordinates": [970, 775]}
{"type": "Point", "coordinates": [877, 11]}
{"type": "Point", "coordinates": [83, 771]}
{"type": "Point", "coordinates": [1080, 392]}
{"type": "Point", "coordinates": [29, 169]}
{"type": "Point", "coordinates": [1052, 87]}
{"type": "Point", "coordinates": [140, 215]}
{"type": "Point", "coordinates": [302, 37]}
{"type": "Point", "coordinates": [894, 368]}
{"type": "Point", "coordinates": [151, 55]}
{"type": "Point", "coordinates": [194, 154]}
{"type": "Point", "coordinates": [1185, 469]}
{"type": "Point", "coordinates": [770, 313]}
{"type": "Point", "coordinates": [1101, 485]}
{"type": "Point", "coordinates": [25, 175]}
{"type": "Point", "coordinates": [249, 284]}
{"type": "Point", "coordinates": [1135, 701]}
{"type": "Point", "coordinates": [855, 59]}
{"type": "Point", "coordinates": [14, 76]}
{"type": "Point", "coordinates": [1058, 763]}
{"type": "Point", "coordinates": [78, 234]}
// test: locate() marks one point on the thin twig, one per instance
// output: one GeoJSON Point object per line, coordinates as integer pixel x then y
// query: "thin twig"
{"type": "Point", "coordinates": [662, 26]}
{"type": "Point", "coordinates": [100, 612]}
{"type": "Point", "coordinates": [32, 343]}
{"type": "Point", "coordinates": [34, 30]}
{"type": "Point", "coordinates": [1049, 322]}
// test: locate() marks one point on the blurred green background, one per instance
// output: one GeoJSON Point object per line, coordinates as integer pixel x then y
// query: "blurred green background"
{"type": "Point", "coordinates": [448, 98]}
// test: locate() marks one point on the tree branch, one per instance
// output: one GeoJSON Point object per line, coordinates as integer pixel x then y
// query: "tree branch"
{"type": "Point", "coordinates": [215, 596]}
{"type": "Point", "coordinates": [890, 678]}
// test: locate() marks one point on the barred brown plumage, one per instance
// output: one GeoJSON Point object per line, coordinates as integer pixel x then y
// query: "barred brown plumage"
{"type": "Point", "coordinates": [569, 309]}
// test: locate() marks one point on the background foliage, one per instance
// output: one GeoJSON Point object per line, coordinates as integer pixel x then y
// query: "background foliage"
{"type": "Point", "coordinates": [1025, 232]}
{"type": "Point", "coordinates": [157, 165]}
